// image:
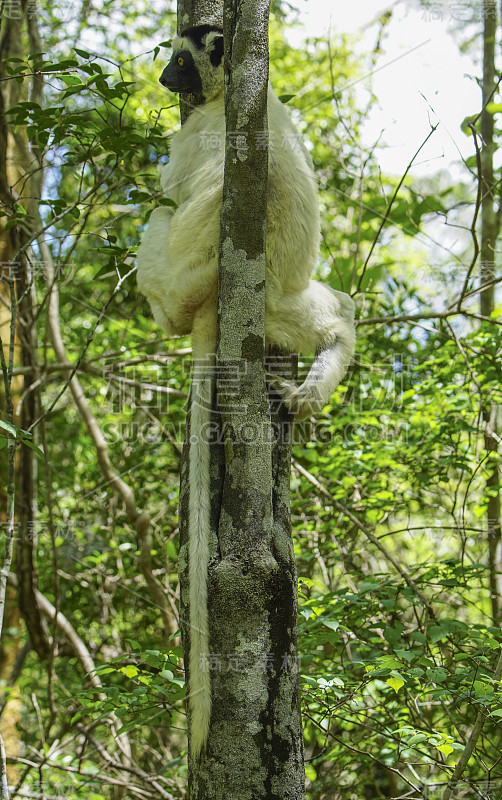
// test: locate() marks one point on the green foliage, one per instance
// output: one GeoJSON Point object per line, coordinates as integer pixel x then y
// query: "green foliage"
{"type": "Point", "coordinates": [145, 687]}
{"type": "Point", "coordinates": [11, 431]}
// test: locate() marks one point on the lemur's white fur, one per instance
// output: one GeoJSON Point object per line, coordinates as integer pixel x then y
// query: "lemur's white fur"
{"type": "Point", "coordinates": [177, 269]}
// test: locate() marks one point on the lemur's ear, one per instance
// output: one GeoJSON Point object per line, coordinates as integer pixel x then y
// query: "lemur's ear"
{"type": "Point", "coordinates": [214, 46]}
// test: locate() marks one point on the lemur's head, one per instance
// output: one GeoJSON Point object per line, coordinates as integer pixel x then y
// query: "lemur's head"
{"type": "Point", "coordinates": [196, 65]}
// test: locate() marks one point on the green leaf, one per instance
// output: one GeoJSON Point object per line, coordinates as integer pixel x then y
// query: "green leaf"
{"type": "Point", "coordinates": [331, 623]}
{"type": "Point", "coordinates": [437, 675]}
{"type": "Point", "coordinates": [9, 427]}
{"type": "Point", "coordinates": [367, 586]}
{"type": "Point", "coordinates": [37, 450]}
{"type": "Point", "coordinates": [395, 683]}
{"type": "Point", "coordinates": [417, 738]}
{"type": "Point", "coordinates": [406, 654]}
{"type": "Point", "coordinates": [138, 196]}
{"type": "Point", "coordinates": [391, 635]}
{"type": "Point", "coordinates": [466, 123]}
{"type": "Point", "coordinates": [129, 671]}
{"type": "Point", "coordinates": [71, 80]}
{"type": "Point", "coordinates": [437, 632]}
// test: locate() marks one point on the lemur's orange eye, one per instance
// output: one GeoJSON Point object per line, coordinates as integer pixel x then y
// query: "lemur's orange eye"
{"type": "Point", "coordinates": [180, 61]}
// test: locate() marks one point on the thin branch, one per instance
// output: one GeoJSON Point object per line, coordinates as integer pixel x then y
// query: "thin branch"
{"type": "Point", "coordinates": [425, 315]}
{"type": "Point", "coordinates": [118, 766]}
{"type": "Point", "coordinates": [4, 786]}
{"type": "Point", "coordinates": [370, 536]}
{"type": "Point", "coordinates": [43, 228]}
{"type": "Point", "coordinates": [90, 337]}
{"type": "Point", "coordinates": [11, 459]}
{"type": "Point", "coordinates": [137, 791]}
{"type": "Point", "coordinates": [365, 753]}
{"type": "Point", "coordinates": [389, 207]}
{"type": "Point", "coordinates": [82, 653]}
{"type": "Point", "coordinates": [477, 208]}
{"type": "Point", "coordinates": [139, 519]}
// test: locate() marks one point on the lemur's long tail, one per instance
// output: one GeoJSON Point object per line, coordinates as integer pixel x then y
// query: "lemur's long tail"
{"type": "Point", "coordinates": [203, 377]}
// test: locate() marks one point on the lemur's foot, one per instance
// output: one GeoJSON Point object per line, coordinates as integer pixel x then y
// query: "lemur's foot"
{"type": "Point", "coordinates": [303, 401]}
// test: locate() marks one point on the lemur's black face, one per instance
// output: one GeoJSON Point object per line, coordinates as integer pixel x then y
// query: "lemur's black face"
{"type": "Point", "coordinates": [181, 74]}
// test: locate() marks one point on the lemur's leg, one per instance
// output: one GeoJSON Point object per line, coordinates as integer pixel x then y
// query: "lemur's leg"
{"type": "Point", "coordinates": [325, 322]}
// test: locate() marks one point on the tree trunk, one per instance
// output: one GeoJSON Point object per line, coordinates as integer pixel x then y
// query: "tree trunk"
{"type": "Point", "coordinates": [23, 161]}
{"type": "Point", "coordinates": [255, 744]}
{"type": "Point", "coordinates": [490, 226]}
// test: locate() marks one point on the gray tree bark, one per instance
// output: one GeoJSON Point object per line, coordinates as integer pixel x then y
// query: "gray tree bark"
{"type": "Point", "coordinates": [490, 229]}
{"type": "Point", "coordinates": [255, 745]}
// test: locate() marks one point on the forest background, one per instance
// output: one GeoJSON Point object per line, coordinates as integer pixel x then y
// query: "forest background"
{"type": "Point", "coordinates": [395, 488]}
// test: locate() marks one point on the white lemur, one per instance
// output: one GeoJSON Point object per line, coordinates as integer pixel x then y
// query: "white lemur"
{"type": "Point", "coordinates": [177, 269]}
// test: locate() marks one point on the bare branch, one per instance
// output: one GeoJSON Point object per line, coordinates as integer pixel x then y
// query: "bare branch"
{"type": "Point", "coordinates": [391, 203]}
{"type": "Point", "coordinates": [82, 654]}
